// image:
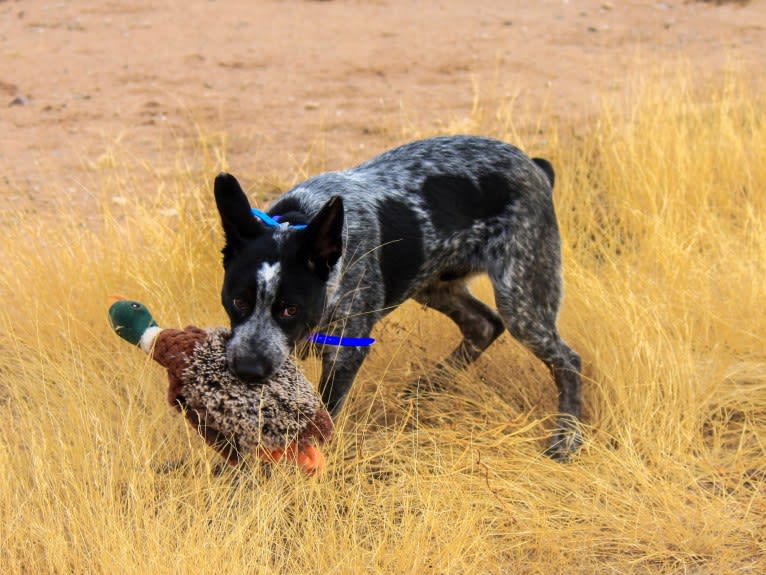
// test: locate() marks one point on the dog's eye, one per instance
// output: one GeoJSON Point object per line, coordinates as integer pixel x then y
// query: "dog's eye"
{"type": "Point", "coordinates": [287, 311]}
{"type": "Point", "coordinates": [241, 306]}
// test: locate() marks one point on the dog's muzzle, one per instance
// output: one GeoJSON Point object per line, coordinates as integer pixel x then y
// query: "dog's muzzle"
{"type": "Point", "coordinates": [252, 369]}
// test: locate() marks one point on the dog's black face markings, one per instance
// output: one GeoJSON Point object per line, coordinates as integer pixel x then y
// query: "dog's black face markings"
{"type": "Point", "coordinates": [272, 305]}
{"type": "Point", "coordinates": [401, 248]}
{"type": "Point", "coordinates": [274, 279]}
{"type": "Point", "coordinates": [239, 294]}
{"type": "Point", "coordinates": [300, 296]}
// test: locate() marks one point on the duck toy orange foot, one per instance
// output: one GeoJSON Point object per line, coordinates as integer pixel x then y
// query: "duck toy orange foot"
{"type": "Point", "coordinates": [282, 418]}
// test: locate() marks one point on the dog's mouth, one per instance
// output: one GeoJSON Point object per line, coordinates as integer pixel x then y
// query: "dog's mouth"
{"type": "Point", "coordinates": [252, 370]}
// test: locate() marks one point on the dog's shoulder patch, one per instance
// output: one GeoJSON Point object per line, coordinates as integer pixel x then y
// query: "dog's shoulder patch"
{"type": "Point", "coordinates": [402, 247]}
{"type": "Point", "coordinates": [457, 201]}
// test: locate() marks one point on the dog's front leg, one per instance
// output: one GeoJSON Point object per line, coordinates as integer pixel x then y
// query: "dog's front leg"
{"type": "Point", "coordinates": [339, 368]}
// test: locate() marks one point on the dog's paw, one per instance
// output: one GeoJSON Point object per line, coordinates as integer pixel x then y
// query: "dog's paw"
{"type": "Point", "coordinates": [566, 440]}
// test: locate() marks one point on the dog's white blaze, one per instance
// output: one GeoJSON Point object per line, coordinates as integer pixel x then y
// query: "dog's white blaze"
{"type": "Point", "coordinates": [268, 284]}
{"type": "Point", "coordinates": [268, 272]}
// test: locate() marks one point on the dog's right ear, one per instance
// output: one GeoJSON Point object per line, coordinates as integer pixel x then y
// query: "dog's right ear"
{"type": "Point", "coordinates": [323, 238]}
{"type": "Point", "coordinates": [236, 216]}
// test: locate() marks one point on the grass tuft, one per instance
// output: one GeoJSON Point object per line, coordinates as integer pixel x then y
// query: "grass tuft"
{"type": "Point", "coordinates": [661, 205]}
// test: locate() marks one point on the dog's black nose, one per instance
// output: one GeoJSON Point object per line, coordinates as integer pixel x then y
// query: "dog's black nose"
{"type": "Point", "coordinates": [252, 370]}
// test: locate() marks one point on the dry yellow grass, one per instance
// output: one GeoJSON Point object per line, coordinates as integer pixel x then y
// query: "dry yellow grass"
{"type": "Point", "coordinates": [662, 208]}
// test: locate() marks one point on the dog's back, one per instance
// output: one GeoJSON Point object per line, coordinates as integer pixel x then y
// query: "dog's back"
{"type": "Point", "coordinates": [432, 208]}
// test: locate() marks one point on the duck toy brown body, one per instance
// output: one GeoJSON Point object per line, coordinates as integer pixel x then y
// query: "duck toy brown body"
{"type": "Point", "coordinates": [282, 418]}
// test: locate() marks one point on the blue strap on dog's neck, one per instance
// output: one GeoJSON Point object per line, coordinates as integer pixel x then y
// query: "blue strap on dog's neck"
{"type": "Point", "coordinates": [324, 339]}
{"type": "Point", "coordinates": [273, 222]}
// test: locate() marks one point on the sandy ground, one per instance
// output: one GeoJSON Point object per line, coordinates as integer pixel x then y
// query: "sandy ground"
{"type": "Point", "coordinates": [79, 77]}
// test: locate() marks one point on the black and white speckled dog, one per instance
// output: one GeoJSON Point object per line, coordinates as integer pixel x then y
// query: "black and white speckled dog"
{"type": "Point", "coordinates": [414, 222]}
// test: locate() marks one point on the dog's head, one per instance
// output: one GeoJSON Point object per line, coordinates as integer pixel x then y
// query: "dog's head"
{"type": "Point", "coordinates": [275, 279]}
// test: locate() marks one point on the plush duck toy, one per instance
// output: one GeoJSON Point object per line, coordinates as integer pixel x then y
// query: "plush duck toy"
{"type": "Point", "coordinates": [281, 418]}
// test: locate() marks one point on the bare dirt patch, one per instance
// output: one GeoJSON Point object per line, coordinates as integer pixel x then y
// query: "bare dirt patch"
{"type": "Point", "coordinates": [77, 77]}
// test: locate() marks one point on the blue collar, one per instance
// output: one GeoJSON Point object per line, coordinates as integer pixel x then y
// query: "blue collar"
{"type": "Point", "coordinates": [324, 339]}
{"type": "Point", "coordinates": [274, 221]}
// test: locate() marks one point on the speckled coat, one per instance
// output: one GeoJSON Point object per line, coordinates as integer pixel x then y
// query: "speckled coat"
{"type": "Point", "coordinates": [417, 222]}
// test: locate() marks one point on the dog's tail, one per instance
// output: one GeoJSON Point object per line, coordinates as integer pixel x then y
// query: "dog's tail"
{"type": "Point", "coordinates": [547, 168]}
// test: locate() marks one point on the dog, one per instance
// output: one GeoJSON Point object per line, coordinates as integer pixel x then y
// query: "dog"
{"type": "Point", "coordinates": [414, 222]}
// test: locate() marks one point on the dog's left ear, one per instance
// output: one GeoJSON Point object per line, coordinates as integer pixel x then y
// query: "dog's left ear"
{"type": "Point", "coordinates": [323, 238]}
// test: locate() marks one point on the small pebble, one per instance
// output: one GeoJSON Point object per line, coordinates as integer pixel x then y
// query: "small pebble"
{"type": "Point", "coordinates": [19, 101]}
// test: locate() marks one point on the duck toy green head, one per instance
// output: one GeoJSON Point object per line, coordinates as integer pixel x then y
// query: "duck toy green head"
{"type": "Point", "coordinates": [282, 418]}
{"type": "Point", "coordinates": [132, 320]}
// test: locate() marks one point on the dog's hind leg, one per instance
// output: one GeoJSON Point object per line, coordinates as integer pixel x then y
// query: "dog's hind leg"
{"type": "Point", "coordinates": [478, 323]}
{"type": "Point", "coordinates": [527, 288]}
